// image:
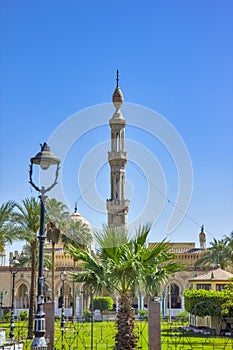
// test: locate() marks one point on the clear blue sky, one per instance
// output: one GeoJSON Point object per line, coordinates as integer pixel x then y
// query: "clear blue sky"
{"type": "Point", "coordinates": [174, 57]}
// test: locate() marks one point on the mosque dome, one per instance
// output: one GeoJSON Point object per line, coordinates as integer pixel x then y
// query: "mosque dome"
{"type": "Point", "coordinates": [76, 217]}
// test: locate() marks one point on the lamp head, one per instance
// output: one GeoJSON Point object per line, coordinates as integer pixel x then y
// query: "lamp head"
{"type": "Point", "coordinates": [63, 275]}
{"type": "Point", "coordinates": [45, 158]}
{"type": "Point", "coordinates": [14, 264]}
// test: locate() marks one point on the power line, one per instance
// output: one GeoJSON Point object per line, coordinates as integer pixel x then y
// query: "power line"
{"type": "Point", "coordinates": [169, 201]}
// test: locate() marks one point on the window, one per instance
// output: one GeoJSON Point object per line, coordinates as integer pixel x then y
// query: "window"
{"type": "Point", "coordinates": [206, 286]}
{"type": "Point", "coordinates": [219, 287]}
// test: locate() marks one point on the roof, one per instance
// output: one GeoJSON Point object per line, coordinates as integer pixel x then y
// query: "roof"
{"type": "Point", "coordinates": [76, 217]}
{"type": "Point", "coordinates": [214, 275]}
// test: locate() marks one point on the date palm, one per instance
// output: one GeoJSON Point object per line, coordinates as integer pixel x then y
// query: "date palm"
{"type": "Point", "coordinates": [218, 254]}
{"type": "Point", "coordinates": [6, 234]}
{"type": "Point", "coordinates": [123, 265]}
{"type": "Point", "coordinates": [229, 242]}
{"type": "Point", "coordinates": [77, 234]}
{"type": "Point", "coordinates": [56, 217]}
{"type": "Point", "coordinates": [26, 222]}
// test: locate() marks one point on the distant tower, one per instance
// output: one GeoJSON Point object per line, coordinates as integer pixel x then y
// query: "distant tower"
{"type": "Point", "coordinates": [202, 238]}
{"type": "Point", "coordinates": [117, 205]}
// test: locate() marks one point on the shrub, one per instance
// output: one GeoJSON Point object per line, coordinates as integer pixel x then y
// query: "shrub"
{"type": "Point", "coordinates": [103, 303]}
{"type": "Point", "coordinates": [182, 315]}
{"type": "Point", "coordinates": [23, 316]}
{"type": "Point", "coordinates": [203, 302]}
{"type": "Point", "coordinates": [86, 314]}
{"type": "Point", "coordinates": [6, 317]}
{"type": "Point", "coordinates": [142, 314]}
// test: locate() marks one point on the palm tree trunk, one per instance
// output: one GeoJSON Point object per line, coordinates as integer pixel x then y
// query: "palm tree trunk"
{"type": "Point", "coordinates": [125, 337]}
{"type": "Point", "coordinates": [74, 295]}
{"type": "Point", "coordinates": [32, 291]}
{"type": "Point", "coordinates": [53, 274]}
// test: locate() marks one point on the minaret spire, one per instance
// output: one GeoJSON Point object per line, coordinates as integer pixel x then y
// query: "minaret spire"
{"type": "Point", "coordinates": [117, 78]}
{"type": "Point", "coordinates": [117, 205]}
{"type": "Point", "coordinates": [75, 208]}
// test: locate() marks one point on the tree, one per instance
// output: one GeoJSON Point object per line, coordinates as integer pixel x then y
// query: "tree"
{"type": "Point", "coordinates": [203, 302]}
{"type": "Point", "coordinates": [77, 234]}
{"type": "Point", "coordinates": [56, 218]}
{"type": "Point", "coordinates": [26, 222]}
{"type": "Point", "coordinates": [102, 304]}
{"type": "Point", "coordinates": [229, 242]}
{"type": "Point", "coordinates": [6, 234]}
{"type": "Point", "coordinates": [218, 254]}
{"type": "Point", "coordinates": [124, 265]}
{"type": "Point", "coordinates": [227, 306]}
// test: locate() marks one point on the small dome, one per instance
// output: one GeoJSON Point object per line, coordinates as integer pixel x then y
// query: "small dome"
{"type": "Point", "coordinates": [76, 217]}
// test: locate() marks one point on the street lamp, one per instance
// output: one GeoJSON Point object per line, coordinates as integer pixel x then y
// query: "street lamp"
{"type": "Point", "coordinates": [53, 234]}
{"type": "Point", "coordinates": [2, 293]}
{"type": "Point", "coordinates": [13, 270]}
{"type": "Point", "coordinates": [44, 159]}
{"type": "Point", "coordinates": [63, 277]}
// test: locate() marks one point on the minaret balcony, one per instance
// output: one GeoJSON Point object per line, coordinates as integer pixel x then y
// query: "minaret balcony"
{"type": "Point", "coordinates": [113, 155]}
{"type": "Point", "coordinates": [114, 206]}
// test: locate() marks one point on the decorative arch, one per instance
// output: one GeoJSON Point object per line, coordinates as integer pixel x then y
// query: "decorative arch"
{"type": "Point", "coordinates": [174, 296]}
{"type": "Point", "coordinates": [68, 294]}
{"type": "Point", "coordinates": [22, 296]}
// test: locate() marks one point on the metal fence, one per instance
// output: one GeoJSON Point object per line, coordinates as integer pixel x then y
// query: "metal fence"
{"type": "Point", "coordinates": [175, 335]}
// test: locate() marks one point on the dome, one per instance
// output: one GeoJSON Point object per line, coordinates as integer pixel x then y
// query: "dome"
{"type": "Point", "coordinates": [76, 217]}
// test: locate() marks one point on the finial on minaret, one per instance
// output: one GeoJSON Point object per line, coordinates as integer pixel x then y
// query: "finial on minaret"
{"type": "Point", "coordinates": [117, 97]}
{"type": "Point", "coordinates": [202, 238]}
{"type": "Point", "coordinates": [75, 208]}
{"type": "Point", "coordinates": [117, 78]}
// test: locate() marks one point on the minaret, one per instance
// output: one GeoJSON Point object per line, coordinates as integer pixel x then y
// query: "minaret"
{"type": "Point", "coordinates": [117, 205]}
{"type": "Point", "coordinates": [202, 238]}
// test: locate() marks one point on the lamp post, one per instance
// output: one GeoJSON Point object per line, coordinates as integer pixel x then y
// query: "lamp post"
{"type": "Point", "coordinates": [44, 159]}
{"type": "Point", "coordinates": [2, 293]}
{"type": "Point", "coordinates": [45, 276]}
{"type": "Point", "coordinates": [13, 270]}
{"type": "Point", "coordinates": [63, 276]}
{"type": "Point", "coordinates": [53, 234]}
{"type": "Point", "coordinates": [163, 303]}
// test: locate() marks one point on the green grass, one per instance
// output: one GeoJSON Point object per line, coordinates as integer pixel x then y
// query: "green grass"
{"type": "Point", "coordinates": [77, 336]}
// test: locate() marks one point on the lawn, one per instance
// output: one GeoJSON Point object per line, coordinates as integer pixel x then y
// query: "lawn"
{"type": "Point", "coordinates": [77, 336]}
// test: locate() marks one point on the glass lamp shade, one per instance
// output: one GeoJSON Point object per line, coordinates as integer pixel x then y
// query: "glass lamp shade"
{"type": "Point", "coordinates": [45, 158]}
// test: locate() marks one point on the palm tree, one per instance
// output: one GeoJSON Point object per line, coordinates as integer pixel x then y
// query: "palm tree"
{"type": "Point", "coordinates": [56, 216]}
{"type": "Point", "coordinates": [229, 242]}
{"type": "Point", "coordinates": [56, 212]}
{"type": "Point", "coordinates": [26, 222]}
{"type": "Point", "coordinates": [217, 255]}
{"type": "Point", "coordinates": [77, 234]}
{"type": "Point", "coordinates": [124, 265]}
{"type": "Point", "coordinates": [6, 234]}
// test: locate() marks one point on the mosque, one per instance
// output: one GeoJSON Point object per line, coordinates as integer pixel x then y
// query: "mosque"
{"type": "Point", "coordinates": [75, 297]}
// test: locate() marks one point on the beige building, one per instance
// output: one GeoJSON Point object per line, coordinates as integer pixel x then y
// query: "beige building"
{"type": "Point", "coordinates": [212, 280]}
